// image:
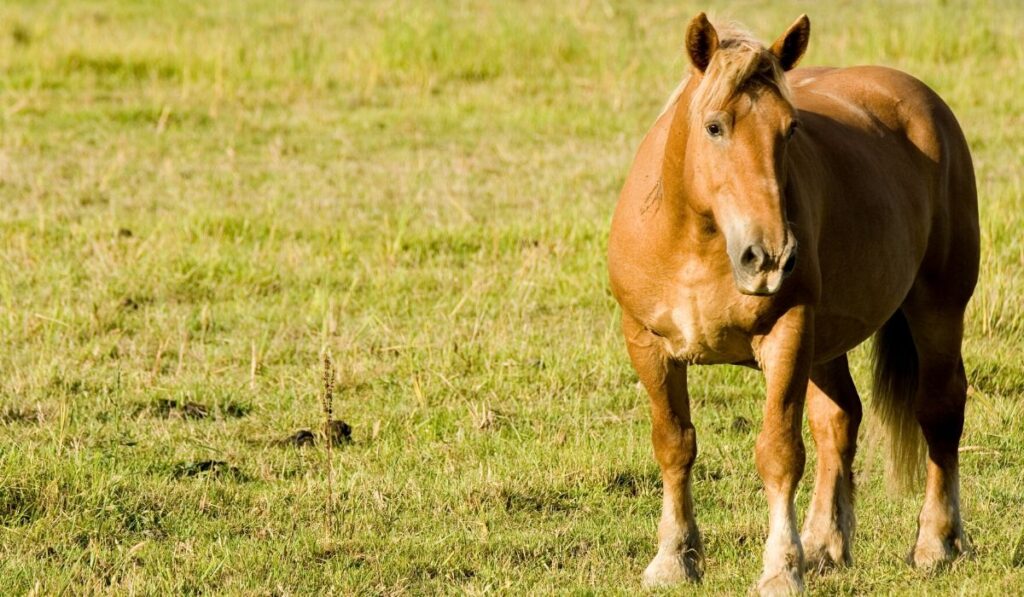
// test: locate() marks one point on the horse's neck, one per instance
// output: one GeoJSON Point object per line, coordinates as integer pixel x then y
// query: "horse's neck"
{"type": "Point", "coordinates": [675, 223]}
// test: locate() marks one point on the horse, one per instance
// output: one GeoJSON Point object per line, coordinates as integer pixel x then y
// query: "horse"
{"type": "Point", "coordinates": [776, 218]}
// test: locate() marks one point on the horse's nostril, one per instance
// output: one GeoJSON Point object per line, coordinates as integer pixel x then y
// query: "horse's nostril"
{"type": "Point", "coordinates": [752, 257]}
{"type": "Point", "coordinates": [790, 264]}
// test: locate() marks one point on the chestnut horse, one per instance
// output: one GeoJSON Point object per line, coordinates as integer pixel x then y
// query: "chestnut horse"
{"type": "Point", "coordinates": [777, 218]}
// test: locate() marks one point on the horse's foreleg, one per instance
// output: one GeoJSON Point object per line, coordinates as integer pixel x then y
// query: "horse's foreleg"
{"type": "Point", "coordinates": [680, 552]}
{"type": "Point", "coordinates": [834, 412]}
{"type": "Point", "coordinates": [785, 355]}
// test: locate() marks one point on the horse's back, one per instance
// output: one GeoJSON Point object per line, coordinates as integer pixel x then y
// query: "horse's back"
{"type": "Point", "coordinates": [885, 97]}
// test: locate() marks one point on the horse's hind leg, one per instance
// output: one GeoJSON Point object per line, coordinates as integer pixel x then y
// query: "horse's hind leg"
{"type": "Point", "coordinates": [834, 413]}
{"type": "Point", "coordinates": [939, 408]}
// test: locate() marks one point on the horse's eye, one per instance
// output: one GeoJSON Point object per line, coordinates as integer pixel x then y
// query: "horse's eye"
{"type": "Point", "coordinates": [714, 129]}
{"type": "Point", "coordinates": [792, 129]}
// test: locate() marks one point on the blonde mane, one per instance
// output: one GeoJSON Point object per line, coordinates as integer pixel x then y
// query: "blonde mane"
{"type": "Point", "coordinates": [740, 62]}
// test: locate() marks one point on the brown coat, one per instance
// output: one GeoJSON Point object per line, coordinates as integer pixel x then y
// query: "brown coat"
{"type": "Point", "coordinates": [779, 220]}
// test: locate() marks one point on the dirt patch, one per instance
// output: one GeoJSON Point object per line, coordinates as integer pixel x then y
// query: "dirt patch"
{"type": "Point", "coordinates": [20, 416]}
{"type": "Point", "coordinates": [303, 438]}
{"type": "Point", "coordinates": [235, 410]}
{"type": "Point", "coordinates": [539, 501]}
{"type": "Point", "coordinates": [178, 409]}
{"type": "Point", "coordinates": [210, 469]}
{"type": "Point", "coordinates": [632, 483]}
{"type": "Point", "coordinates": [172, 408]}
{"type": "Point", "coordinates": [741, 425]}
{"type": "Point", "coordinates": [340, 434]}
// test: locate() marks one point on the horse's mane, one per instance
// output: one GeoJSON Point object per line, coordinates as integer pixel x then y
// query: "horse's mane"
{"type": "Point", "coordinates": [740, 61]}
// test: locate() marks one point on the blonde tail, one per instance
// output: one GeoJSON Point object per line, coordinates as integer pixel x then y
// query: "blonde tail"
{"type": "Point", "coordinates": [895, 388]}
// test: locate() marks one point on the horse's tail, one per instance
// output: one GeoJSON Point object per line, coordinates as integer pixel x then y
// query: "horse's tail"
{"type": "Point", "coordinates": [895, 387]}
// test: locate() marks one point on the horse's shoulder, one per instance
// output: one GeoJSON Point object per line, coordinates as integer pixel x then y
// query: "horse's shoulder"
{"type": "Point", "coordinates": [639, 200]}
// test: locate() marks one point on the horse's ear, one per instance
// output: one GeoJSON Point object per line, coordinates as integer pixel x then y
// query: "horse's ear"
{"type": "Point", "coordinates": [701, 41]}
{"type": "Point", "coordinates": [790, 46]}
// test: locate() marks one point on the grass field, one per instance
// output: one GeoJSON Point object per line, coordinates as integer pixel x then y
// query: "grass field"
{"type": "Point", "coordinates": [197, 200]}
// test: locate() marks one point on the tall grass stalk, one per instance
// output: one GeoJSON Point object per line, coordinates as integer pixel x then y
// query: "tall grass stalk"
{"type": "Point", "coordinates": [328, 407]}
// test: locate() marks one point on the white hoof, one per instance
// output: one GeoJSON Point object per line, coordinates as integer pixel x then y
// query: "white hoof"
{"type": "Point", "coordinates": [668, 569]}
{"type": "Point", "coordinates": [784, 582]}
{"type": "Point", "coordinates": [823, 554]}
{"type": "Point", "coordinates": [934, 554]}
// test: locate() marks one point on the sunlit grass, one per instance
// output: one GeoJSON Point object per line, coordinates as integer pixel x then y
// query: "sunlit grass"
{"type": "Point", "coordinates": [198, 199]}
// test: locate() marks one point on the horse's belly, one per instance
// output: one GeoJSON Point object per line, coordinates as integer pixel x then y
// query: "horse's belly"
{"type": "Point", "coordinates": [836, 334]}
{"type": "Point", "coordinates": [856, 301]}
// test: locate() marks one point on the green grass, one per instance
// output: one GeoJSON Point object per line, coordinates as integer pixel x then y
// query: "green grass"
{"type": "Point", "coordinates": [198, 199]}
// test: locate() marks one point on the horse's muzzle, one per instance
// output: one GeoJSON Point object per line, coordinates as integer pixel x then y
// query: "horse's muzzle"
{"type": "Point", "coordinates": [758, 272]}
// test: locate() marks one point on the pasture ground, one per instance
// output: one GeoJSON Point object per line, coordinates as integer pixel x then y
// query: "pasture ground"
{"type": "Point", "coordinates": [198, 199]}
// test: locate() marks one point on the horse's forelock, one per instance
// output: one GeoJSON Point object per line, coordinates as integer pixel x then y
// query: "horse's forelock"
{"type": "Point", "coordinates": [740, 59]}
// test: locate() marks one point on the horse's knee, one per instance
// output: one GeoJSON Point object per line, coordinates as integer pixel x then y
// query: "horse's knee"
{"type": "Point", "coordinates": [779, 458]}
{"type": "Point", "coordinates": [675, 447]}
{"type": "Point", "coordinates": [839, 423]}
{"type": "Point", "coordinates": [834, 410]}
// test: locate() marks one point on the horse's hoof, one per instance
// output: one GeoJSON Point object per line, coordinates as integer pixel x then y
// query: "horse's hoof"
{"type": "Point", "coordinates": [934, 555]}
{"type": "Point", "coordinates": [818, 561]}
{"type": "Point", "coordinates": [666, 570]}
{"type": "Point", "coordinates": [783, 582]}
{"type": "Point", "coordinates": [823, 556]}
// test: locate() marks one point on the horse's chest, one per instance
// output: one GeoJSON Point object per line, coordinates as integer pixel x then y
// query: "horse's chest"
{"type": "Point", "coordinates": [698, 328]}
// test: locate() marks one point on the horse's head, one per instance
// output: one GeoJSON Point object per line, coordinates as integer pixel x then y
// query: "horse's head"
{"type": "Point", "coordinates": [733, 123]}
